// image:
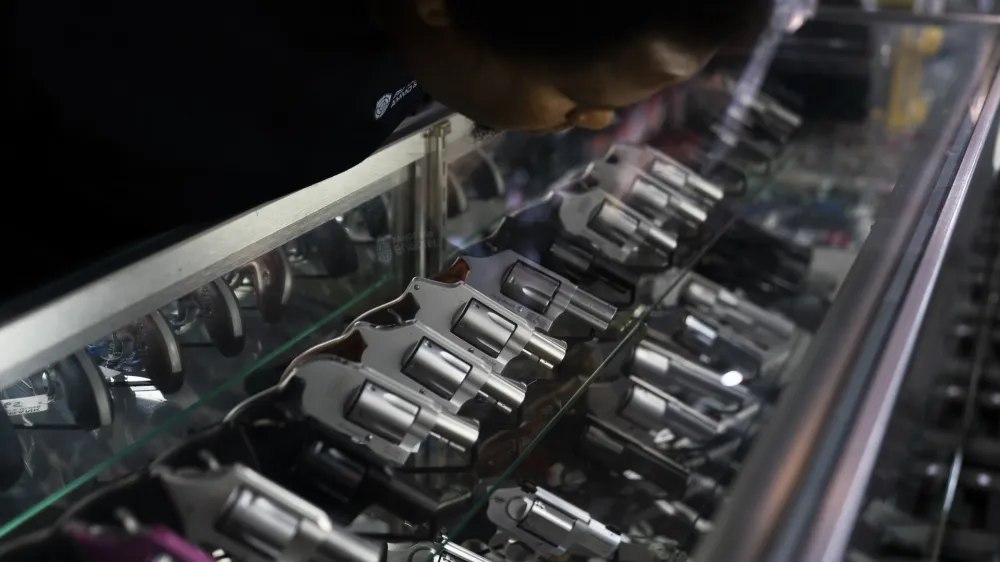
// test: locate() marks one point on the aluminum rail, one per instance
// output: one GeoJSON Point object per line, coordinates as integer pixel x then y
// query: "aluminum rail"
{"type": "Point", "coordinates": [838, 510]}
{"type": "Point", "coordinates": [774, 500]}
{"type": "Point", "coordinates": [53, 330]}
{"type": "Point", "coordinates": [841, 14]}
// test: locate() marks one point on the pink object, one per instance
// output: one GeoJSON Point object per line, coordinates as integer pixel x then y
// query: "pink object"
{"type": "Point", "coordinates": [144, 546]}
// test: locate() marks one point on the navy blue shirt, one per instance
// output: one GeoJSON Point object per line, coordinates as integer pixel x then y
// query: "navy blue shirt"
{"type": "Point", "coordinates": [126, 119]}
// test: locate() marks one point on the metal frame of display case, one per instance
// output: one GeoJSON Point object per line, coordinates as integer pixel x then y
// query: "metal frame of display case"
{"type": "Point", "coordinates": [843, 14]}
{"type": "Point", "coordinates": [61, 326]}
{"type": "Point", "coordinates": [799, 494]}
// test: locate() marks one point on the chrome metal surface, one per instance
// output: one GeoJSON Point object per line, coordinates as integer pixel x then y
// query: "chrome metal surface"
{"type": "Point", "coordinates": [534, 293]}
{"type": "Point", "coordinates": [615, 224]}
{"type": "Point", "coordinates": [660, 366]}
{"type": "Point", "coordinates": [545, 349]}
{"type": "Point", "coordinates": [382, 413]}
{"type": "Point", "coordinates": [530, 287]}
{"type": "Point", "coordinates": [436, 368]}
{"type": "Point", "coordinates": [483, 328]}
{"type": "Point", "coordinates": [423, 359]}
{"type": "Point", "coordinates": [550, 525]}
{"type": "Point", "coordinates": [537, 519]}
{"type": "Point", "coordinates": [256, 520]}
{"type": "Point", "coordinates": [374, 409]}
{"type": "Point", "coordinates": [433, 246]}
{"type": "Point", "coordinates": [666, 169]}
{"type": "Point", "coordinates": [461, 312]}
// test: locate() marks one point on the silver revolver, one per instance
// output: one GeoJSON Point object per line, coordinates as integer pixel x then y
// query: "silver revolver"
{"type": "Point", "coordinates": [470, 318]}
{"type": "Point", "coordinates": [769, 110]}
{"type": "Point", "coordinates": [537, 294]}
{"type": "Point", "coordinates": [663, 367]}
{"type": "Point", "coordinates": [639, 408]}
{"type": "Point", "coordinates": [608, 224]}
{"type": "Point", "coordinates": [668, 170]}
{"type": "Point", "coordinates": [659, 200]}
{"type": "Point", "coordinates": [253, 519]}
{"type": "Point", "coordinates": [373, 409]}
{"type": "Point", "coordinates": [735, 311]}
{"type": "Point", "coordinates": [423, 360]}
{"type": "Point", "coordinates": [549, 525]}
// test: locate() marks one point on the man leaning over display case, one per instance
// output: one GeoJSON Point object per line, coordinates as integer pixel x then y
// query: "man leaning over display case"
{"type": "Point", "coordinates": [126, 119]}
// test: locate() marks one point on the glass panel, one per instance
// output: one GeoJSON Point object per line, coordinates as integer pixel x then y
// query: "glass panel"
{"type": "Point", "coordinates": [654, 458]}
{"type": "Point", "coordinates": [644, 422]}
{"type": "Point", "coordinates": [109, 409]}
{"type": "Point", "coordinates": [933, 493]}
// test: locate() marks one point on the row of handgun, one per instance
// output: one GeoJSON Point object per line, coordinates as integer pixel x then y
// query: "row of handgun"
{"type": "Point", "coordinates": [289, 469]}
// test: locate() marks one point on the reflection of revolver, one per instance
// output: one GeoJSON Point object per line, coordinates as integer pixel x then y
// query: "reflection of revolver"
{"type": "Point", "coordinates": [468, 317]}
{"type": "Point", "coordinates": [608, 224]}
{"type": "Point", "coordinates": [530, 290]}
{"type": "Point", "coordinates": [665, 368]}
{"type": "Point", "coordinates": [729, 137]}
{"type": "Point", "coordinates": [601, 449]}
{"type": "Point", "coordinates": [430, 552]}
{"type": "Point", "coordinates": [338, 476]}
{"type": "Point", "coordinates": [640, 408]}
{"type": "Point", "coordinates": [534, 233]}
{"type": "Point", "coordinates": [548, 525]}
{"type": "Point", "coordinates": [252, 519]}
{"type": "Point", "coordinates": [771, 113]}
{"type": "Point", "coordinates": [662, 203]}
{"type": "Point", "coordinates": [422, 360]}
{"type": "Point", "coordinates": [371, 409]}
{"type": "Point", "coordinates": [737, 312]}
{"type": "Point", "coordinates": [547, 398]}
{"type": "Point", "coordinates": [666, 169]}
{"type": "Point", "coordinates": [716, 346]}
{"type": "Point", "coordinates": [763, 265]}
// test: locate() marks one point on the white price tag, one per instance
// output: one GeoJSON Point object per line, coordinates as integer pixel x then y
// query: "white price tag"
{"type": "Point", "coordinates": [108, 372]}
{"type": "Point", "coordinates": [669, 172]}
{"type": "Point", "coordinates": [27, 405]}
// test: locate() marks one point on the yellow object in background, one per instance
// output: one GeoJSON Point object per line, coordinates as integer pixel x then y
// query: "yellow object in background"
{"type": "Point", "coordinates": [908, 106]}
{"type": "Point", "coordinates": [930, 41]}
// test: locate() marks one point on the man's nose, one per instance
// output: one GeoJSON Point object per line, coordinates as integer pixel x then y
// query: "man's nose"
{"type": "Point", "coordinates": [593, 119]}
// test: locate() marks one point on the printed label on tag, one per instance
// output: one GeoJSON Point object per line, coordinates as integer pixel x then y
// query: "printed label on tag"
{"type": "Point", "coordinates": [26, 405]}
{"type": "Point", "coordinates": [669, 172]}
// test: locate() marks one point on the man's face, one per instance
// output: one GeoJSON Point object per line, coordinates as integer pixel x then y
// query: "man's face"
{"type": "Point", "coordinates": [542, 96]}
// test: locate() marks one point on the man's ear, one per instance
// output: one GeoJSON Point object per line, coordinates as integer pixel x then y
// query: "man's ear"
{"type": "Point", "coordinates": [434, 12]}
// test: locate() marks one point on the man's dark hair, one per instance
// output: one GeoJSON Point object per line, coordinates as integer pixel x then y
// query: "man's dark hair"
{"type": "Point", "coordinates": [566, 29]}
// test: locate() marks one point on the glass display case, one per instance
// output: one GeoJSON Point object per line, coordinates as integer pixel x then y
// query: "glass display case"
{"type": "Point", "coordinates": [661, 340]}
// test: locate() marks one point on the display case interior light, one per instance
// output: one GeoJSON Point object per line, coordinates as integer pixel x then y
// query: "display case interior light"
{"type": "Point", "coordinates": [732, 378]}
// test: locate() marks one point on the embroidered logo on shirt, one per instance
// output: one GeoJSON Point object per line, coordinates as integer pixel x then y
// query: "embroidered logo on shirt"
{"type": "Point", "coordinates": [390, 100]}
{"type": "Point", "coordinates": [383, 105]}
